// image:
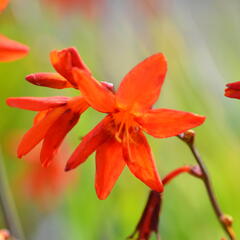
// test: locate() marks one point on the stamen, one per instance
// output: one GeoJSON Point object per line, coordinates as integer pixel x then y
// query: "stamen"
{"type": "Point", "coordinates": [128, 135]}
{"type": "Point", "coordinates": [125, 126]}
{"type": "Point", "coordinates": [117, 135]}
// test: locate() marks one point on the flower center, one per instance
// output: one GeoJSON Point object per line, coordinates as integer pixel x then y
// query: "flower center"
{"type": "Point", "coordinates": [124, 126]}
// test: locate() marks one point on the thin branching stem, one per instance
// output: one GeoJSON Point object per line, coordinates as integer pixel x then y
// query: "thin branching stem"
{"type": "Point", "coordinates": [198, 171]}
{"type": "Point", "coordinates": [224, 220]}
{"type": "Point", "coordinates": [149, 220]}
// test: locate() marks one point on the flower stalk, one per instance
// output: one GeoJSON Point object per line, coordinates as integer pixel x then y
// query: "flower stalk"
{"type": "Point", "coordinates": [7, 205]}
{"type": "Point", "coordinates": [226, 221]}
{"type": "Point", "coordinates": [149, 220]}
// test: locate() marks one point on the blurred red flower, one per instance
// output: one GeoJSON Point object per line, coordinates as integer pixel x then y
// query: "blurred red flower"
{"type": "Point", "coordinates": [148, 7]}
{"type": "Point", "coordinates": [118, 139]}
{"type": "Point", "coordinates": [10, 50]}
{"type": "Point", "coordinates": [45, 185]}
{"type": "Point", "coordinates": [89, 8]}
{"type": "Point", "coordinates": [233, 90]}
{"type": "Point", "coordinates": [57, 115]}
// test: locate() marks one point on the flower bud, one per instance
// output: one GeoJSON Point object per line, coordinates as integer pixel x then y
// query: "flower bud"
{"type": "Point", "coordinates": [227, 220]}
{"type": "Point", "coordinates": [188, 136]}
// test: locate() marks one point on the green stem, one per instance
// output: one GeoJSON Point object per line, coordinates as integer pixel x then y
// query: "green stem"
{"type": "Point", "coordinates": [7, 205]}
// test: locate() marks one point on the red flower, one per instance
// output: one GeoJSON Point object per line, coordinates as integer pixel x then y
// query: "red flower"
{"type": "Point", "coordinates": [233, 90]}
{"type": "Point", "coordinates": [57, 115]}
{"type": "Point", "coordinates": [45, 185]}
{"type": "Point", "coordinates": [90, 8]}
{"type": "Point", "coordinates": [148, 8]}
{"type": "Point", "coordinates": [10, 50]}
{"type": "Point", "coordinates": [118, 139]}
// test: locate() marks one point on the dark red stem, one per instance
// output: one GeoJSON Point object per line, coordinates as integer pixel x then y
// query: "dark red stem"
{"type": "Point", "coordinates": [224, 220]}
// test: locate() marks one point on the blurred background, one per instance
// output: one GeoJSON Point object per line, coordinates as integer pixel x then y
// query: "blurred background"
{"type": "Point", "coordinates": [201, 42]}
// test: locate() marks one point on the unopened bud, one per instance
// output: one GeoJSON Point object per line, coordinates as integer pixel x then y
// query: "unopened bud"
{"type": "Point", "coordinates": [188, 136]}
{"type": "Point", "coordinates": [109, 86]}
{"type": "Point", "coordinates": [227, 220]}
{"type": "Point", "coordinates": [149, 220]}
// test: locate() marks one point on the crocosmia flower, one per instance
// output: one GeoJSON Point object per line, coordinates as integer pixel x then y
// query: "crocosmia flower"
{"type": "Point", "coordinates": [149, 8]}
{"type": "Point", "coordinates": [119, 138]}
{"type": "Point", "coordinates": [56, 115]}
{"type": "Point", "coordinates": [45, 185]}
{"type": "Point", "coordinates": [10, 50]}
{"type": "Point", "coordinates": [89, 8]}
{"type": "Point", "coordinates": [233, 90]}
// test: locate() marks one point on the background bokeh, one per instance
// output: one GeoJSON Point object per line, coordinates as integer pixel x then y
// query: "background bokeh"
{"type": "Point", "coordinates": [201, 42]}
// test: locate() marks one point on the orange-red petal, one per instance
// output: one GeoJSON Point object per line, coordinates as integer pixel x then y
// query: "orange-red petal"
{"type": "Point", "coordinates": [89, 144]}
{"type": "Point", "coordinates": [234, 85]}
{"type": "Point", "coordinates": [141, 87]}
{"type": "Point", "coordinates": [78, 104]}
{"type": "Point", "coordinates": [11, 50]}
{"type": "Point", "coordinates": [96, 94]}
{"type": "Point", "coordinates": [163, 123]}
{"type": "Point", "coordinates": [231, 93]}
{"type": "Point", "coordinates": [35, 134]}
{"type": "Point", "coordinates": [40, 115]}
{"type": "Point", "coordinates": [63, 61]}
{"type": "Point", "coordinates": [52, 80]}
{"type": "Point", "coordinates": [139, 158]}
{"type": "Point", "coordinates": [233, 90]}
{"type": "Point", "coordinates": [109, 166]}
{"type": "Point", "coordinates": [3, 4]}
{"type": "Point", "coordinates": [56, 134]}
{"type": "Point", "coordinates": [37, 103]}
